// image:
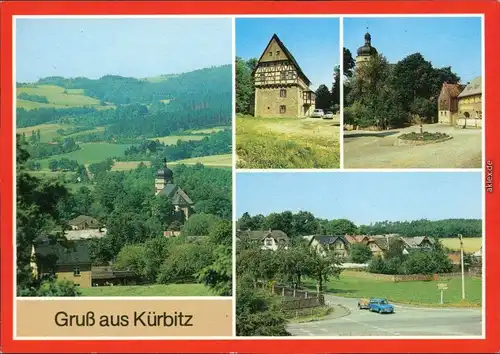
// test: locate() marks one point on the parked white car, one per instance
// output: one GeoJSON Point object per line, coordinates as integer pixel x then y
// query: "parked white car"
{"type": "Point", "coordinates": [328, 115]}
{"type": "Point", "coordinates": [317, 113]}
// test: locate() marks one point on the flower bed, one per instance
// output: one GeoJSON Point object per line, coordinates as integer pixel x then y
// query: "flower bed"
{"type": "Point", "coordinates": [415, 138]}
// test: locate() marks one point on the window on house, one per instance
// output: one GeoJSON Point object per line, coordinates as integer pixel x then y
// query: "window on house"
{"type": "Point", "coordinates": [76, 271]}
{"type": "Point", "coordinates": [283, 93]}
{"type": "Point", "coordinates": [277, 52]}
{"type": "Point", "coordinates": [270, 54]}
{"type": "Point", "coordinates": [283, 75]}
{"type": "Point", "coordinates": [282, 109]}
{"type": "Point", "coordinates": [262, 76]}
{"type": "Point", "coordinates": [269, 241]}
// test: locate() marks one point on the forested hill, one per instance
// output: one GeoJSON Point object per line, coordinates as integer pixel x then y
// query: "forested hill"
{"type": "Point", "coordinates": [192, 88]}
{"type": "Point", "coordinates": [137, 107]}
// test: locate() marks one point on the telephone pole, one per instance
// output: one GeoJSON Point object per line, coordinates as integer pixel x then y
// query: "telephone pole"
{"type": "Point", "coordinates": [462, 264]}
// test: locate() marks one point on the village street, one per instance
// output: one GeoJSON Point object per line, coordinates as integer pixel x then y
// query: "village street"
{"type": "Point", "coordinates": [406, 321]}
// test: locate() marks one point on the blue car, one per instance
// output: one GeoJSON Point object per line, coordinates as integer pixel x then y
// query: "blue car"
{"type": "Point", "coordinates": [380, 306]}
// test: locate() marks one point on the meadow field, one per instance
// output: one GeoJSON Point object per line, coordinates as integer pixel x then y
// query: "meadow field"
{"type": "Point", "coordinates": [90, 153]}
{"type": "Point", "coordinates": [471, 244]}
{"type": "Point", "coordinates": [225, 160]}
{"type": "Point", "coordinates": [173, 139]}
{"type": "Point", "coordinates": [58, 97]}
{"type": "Point", "coordinates": [422, 293]}
{"type": "Point", "coordinates": [128, 165]}
{"type": "Point", "coordinates": [287, 143]}
{"type": "Point", "coordinates": [208, 130]}
{"type": "Point", "coordinates": [48, 131]}
{"type": "Point", "coordinates": [149, 290]}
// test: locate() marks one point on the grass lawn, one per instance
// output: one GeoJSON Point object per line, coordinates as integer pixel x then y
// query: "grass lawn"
{"type": "Point", "coordinates": [172, 140]}
{"type": "Point", "coordinates": [47, 131]}
{"type": "Point", "coordinates": [149, 290]}
{"type": "Point", "coordinates": [287, 143]}
{"type": "Point", "coordinates": [308, 315]}
{"type": "Point", "coordinates": [424, 293]}
{"type": "Point", "coordinates": [128, 165]}
{"type": "Point", "coordinates": [471, 244]}
{"type": "Point", "coordinates": [57, 98]}
{"type": "Point", "coordinates": [225, 160]}
{"type": "Point", "coordinates": [90, 153]}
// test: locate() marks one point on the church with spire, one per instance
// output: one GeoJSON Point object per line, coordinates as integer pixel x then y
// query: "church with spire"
{"type": "Point", "coordinates": [367, 51]}
{"type": "Point", "coordinates": [164, 184]}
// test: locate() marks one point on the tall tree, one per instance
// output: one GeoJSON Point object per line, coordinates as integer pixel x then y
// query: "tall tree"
{"type": "Point", "coordinates": [37, 214]}
{"type": "Point", "coordinates": [349, 63]}
{"type": "Point", "coordinates": [323, 98]}
{"type": "Point", "coordinates": [244, 85]}
{"type": "Point", "coordinates": [336, 86]}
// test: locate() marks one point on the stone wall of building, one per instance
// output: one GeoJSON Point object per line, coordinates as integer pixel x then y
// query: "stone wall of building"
{"type": "Point", "coordinates": [268, 102]}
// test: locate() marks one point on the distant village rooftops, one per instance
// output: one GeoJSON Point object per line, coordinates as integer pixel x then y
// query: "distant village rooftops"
{"type": "Point", "coordinates": [261, 235]}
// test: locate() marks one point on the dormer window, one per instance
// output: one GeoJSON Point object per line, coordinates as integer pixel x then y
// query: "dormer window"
{"type": "Point", "coordinates": [269, 241]}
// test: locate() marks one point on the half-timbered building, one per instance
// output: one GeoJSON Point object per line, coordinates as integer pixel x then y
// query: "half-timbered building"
{"type": "Point", "coordinates": [281, 87]}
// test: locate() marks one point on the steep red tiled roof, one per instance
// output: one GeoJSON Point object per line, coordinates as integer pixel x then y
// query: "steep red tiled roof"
{"type": "Point", "coordinates": [453, 89]}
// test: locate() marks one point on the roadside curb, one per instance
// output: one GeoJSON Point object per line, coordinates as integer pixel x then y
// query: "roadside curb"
{"type": "Point", "coordinates": [340, 311]}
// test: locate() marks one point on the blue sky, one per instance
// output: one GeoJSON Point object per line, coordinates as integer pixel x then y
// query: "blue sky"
{"type": "Point", "coordinates": [128, 47]}
{"type": "Point", "coordinates": [314, 42]}
{"type": "Point", "coordinates": [451, 41]}
{"type": "Point", "coordinates": [363, 197]}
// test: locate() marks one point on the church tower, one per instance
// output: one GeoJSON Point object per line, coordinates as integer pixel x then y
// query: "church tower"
{"type": "Point", "coordinates": [366, 52]}
{"type": "Point", "coordinates": [164, 176]}
{"type": "Point", "coordinates": [164, 185]}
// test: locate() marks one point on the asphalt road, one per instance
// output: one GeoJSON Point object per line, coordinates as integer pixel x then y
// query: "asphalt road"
{"type": "Point", "coordinates": [406, 321]}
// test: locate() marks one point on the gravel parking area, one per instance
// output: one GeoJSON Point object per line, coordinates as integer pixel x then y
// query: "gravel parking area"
{"type": "Point", "coordinates": [368, 149]}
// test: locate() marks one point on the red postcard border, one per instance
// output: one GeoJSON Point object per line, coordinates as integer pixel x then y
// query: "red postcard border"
{"type": "Point", "coordinates": [491, 10]}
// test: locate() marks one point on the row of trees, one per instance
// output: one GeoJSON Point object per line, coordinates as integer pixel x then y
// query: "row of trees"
{"type": "Point", "coordinates": [259, 313]}
{"type": "Point", "coordinates": [305, 223]}
{"type": "Point", "coordinates": [34, 98]}
{"type": "Point", "coordinates": [39, 150]}
{"type": "Point", "coordinates": [386, 95]}
{"type": "Point", "coordinates": [395, 261]}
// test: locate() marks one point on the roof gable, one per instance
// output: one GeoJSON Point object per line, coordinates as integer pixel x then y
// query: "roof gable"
{"type": "Point", "coordinates": [451, 90]}
{"type": "Point", "coordinates": [71, 253]}
{"type": "Point", "coordinates": [325, 240]}
{"type": "Point", "coordinates": [261, 235]}
{"type": "Point", "coordinates": [275, 42]}
{"type": "Point", "coordinates": [83, 218]}
{"type": "Point", "coordinates": [473, 88]}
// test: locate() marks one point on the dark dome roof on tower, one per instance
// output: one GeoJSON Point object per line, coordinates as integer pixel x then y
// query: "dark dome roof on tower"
{"type": "Point", "coordinates": [164, 172]}
{"type": "Point", "coordinates": [367, 49]}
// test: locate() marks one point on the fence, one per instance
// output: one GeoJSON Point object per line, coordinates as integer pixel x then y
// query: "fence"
{"type": "Point", "coordinates": [421, 277]}
{"type": "Point", "coordinates": [295, 299]}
